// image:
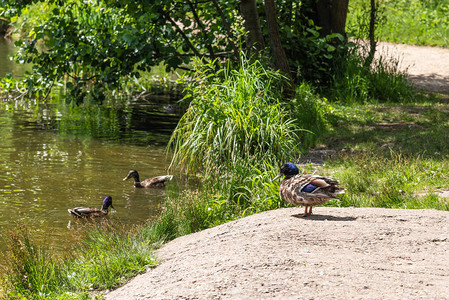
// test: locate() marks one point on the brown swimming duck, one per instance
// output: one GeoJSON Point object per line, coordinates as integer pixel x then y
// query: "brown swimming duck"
{"type": "Point", "coordinates": [87, 212]}
{"type": "Point", "coordinates": [155, 182]}
{"type": "Point", "coordinates": [306, 190]}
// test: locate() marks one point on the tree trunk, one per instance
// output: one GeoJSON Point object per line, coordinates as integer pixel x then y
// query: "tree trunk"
{"type": "Point", "coordinates": [280, 59]}
{"type": "Point", "coordinates": [372, 39]}
{"type": "Point", "coordinates": [254, 37]}
{"type": "Point", "coordinates": [331, 16]}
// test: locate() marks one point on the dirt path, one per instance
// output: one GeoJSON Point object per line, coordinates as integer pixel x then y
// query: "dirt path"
{"type": "Point", "coordinates": [428, 67]}
{"type": "Point", "coordinates": [339, 253]}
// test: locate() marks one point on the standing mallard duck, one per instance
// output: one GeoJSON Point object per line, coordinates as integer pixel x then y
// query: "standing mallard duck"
{"type": "Point", "coordinates": [155, 182]}
{"type": "Point", "coordinates": [306, 190]}
{"type": "Point", "coordinates": [87, 212]}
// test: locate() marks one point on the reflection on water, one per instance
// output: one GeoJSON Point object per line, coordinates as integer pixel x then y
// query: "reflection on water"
{"type": "Point", "coordinates": [56, 156]}
{"type": "Point", "coordinates": [6, 65]}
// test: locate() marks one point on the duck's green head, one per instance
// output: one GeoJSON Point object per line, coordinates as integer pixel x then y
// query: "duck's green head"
{"type": "Point", "coordinates": [132, 174]}
{"type": "Point", "coordinates": [288, 169]}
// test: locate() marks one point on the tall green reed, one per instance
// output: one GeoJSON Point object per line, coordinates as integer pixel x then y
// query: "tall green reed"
{"type": "Point", "coordinates": [103, 257]}
{"type": "Point", "coordinates": [237, 132]}
{"type": "Point", "coordinates": [107, 254]}
{"type": "Point", "coordinates": [31, 272]}
{"type": "Point", "coordinates": [234, 114]}
{"type": "Point", "coordinates": [382, 81]}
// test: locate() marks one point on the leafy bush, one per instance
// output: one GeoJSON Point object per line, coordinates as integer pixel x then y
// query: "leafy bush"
{"type": "Point", "coordinates": [85, 45]}
{"type": "Point", "coordinates": [30, 16]}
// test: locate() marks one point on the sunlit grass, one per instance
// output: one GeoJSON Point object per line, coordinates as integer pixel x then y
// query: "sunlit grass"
{"type": "Point", "coordinates": [105, 257]}
{"type": "Point", "coordinates": [410, 22]}
{"type": "Point", "coordinates": [390, 179]}
{"type": "Point", "coordinates": [31, 271]}
{"type": "Point", "coordinates": [389, 155]}
{"type": "Point", "coordinates": [234, 114]}
{"type": "Point", "coordinates": [108, 255]}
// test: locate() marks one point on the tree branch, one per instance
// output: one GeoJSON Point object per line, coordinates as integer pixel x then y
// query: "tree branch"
{"type": "Point", "coordinates": [372, 39]}
{"type": "Point", "coordinates": [195, 2]}
{"type": "Point", "coordinates": [186, 39]}
{"type": "Point", "coordinates": [49, 90]}
{"type": "Point", "coordinates": [203, 29]}
{"type": "Point", "coordinates": [227, 27]}
{"type": "Point", "coordinates": [221, 54]}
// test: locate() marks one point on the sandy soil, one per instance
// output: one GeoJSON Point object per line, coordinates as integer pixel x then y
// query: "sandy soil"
{"type": "Point", "coordinates": [428, 67]}
{"type": "Point", "coordinates": [338, 253]}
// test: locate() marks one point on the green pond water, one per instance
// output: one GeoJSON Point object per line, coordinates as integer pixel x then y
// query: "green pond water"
{"type": "Point", "coordinates": [55, 156]}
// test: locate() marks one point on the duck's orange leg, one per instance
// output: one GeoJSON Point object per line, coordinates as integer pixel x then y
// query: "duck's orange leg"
{"type": "Point", "coordinates": [310, 210]}
{"type": "Point", "coordinates": [305, 214]}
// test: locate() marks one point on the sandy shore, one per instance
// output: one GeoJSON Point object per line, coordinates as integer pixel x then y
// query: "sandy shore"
{"type": "Point", "coordinates": [339, 253]}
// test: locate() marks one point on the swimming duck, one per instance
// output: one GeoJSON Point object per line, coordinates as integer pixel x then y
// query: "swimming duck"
{"type": "Point", "coordinates": [306, 190]}
{"type": "Point", "coordinates": [87, 212]}
{"type": "Point", "coordinates": [155, 182]}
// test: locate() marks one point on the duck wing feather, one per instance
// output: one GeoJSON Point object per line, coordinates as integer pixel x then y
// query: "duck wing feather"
{"type": "Point", "coordinates": [84, 211]}
{"type": "Point", "coordinates": [156, 181]}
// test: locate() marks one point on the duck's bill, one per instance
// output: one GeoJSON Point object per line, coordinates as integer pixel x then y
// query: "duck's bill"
{"type": "Point", "coordinates": [277, 177]}
{"type": "Point", "coordinates": [126, 178]}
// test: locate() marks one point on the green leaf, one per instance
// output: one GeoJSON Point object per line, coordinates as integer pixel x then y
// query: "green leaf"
{"type": "Point", "coordinates": [330, 48]}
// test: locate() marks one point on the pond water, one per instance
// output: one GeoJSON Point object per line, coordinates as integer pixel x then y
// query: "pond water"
{"type": "Point", "coordinates": [7, 66]}
{"type": "Point", "coordinates": [55, 156]}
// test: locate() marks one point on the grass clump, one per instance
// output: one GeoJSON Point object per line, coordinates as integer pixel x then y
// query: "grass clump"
{"type": "Point", "coordinates": [108, 255]}
{"type": "Point", "coordinates": [380, 81]}
{"type": "Point", "coordinates": [104, 257]}
{"type": "Point", "coordinates": [236, 132]}
{"type": "Point", "coordinates": [31, 271]}
{"type": "Point", "coordinates": [234, 114]}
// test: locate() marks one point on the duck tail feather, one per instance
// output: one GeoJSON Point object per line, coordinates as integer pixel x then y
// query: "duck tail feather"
{"type": "Point", "coordinates": [340, 192]}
